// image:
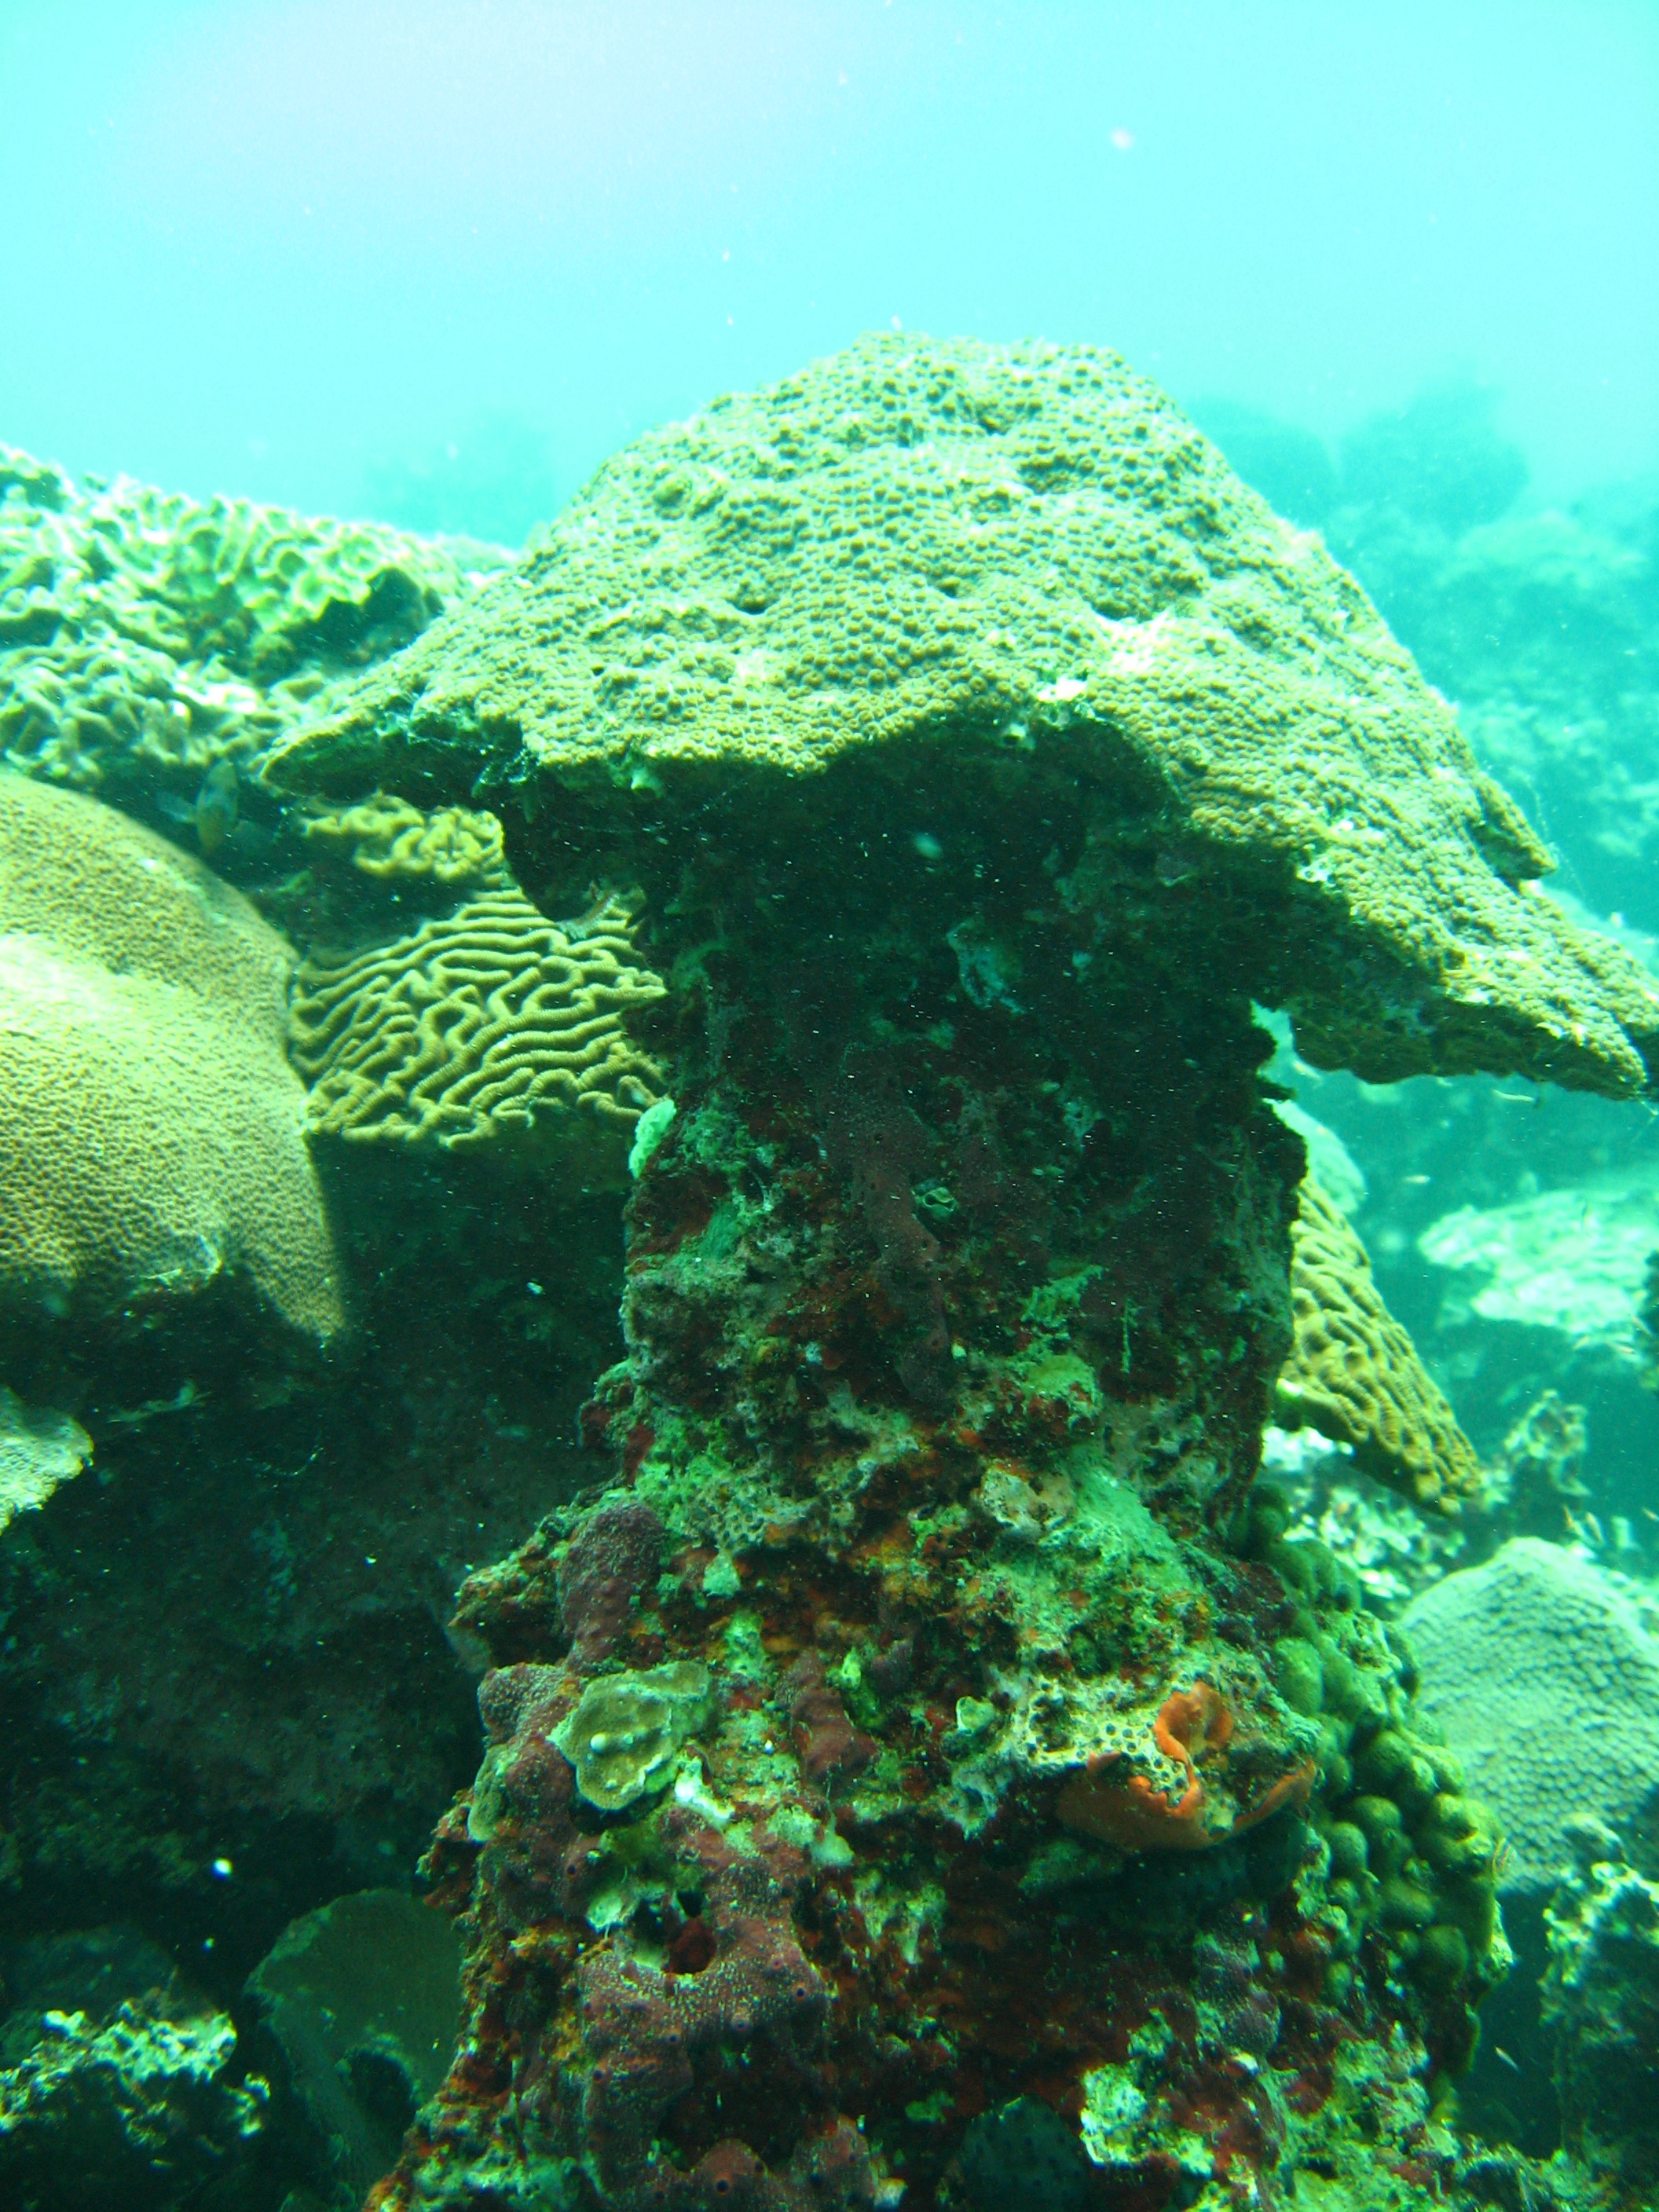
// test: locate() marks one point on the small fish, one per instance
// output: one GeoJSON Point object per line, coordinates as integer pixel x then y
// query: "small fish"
{"type": "Point", "coordinates": [1498, 2051]}
{"type": "Point", "coordinates": [216, 805]}
{"type": "Point", "coordinates": [212, 813]}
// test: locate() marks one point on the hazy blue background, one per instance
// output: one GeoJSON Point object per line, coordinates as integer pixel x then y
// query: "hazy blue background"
{"type": "Point", "coordinates": [437, 260]}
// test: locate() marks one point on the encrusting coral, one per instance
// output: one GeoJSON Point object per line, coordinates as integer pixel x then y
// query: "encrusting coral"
{"type": "Point", "coordinates": [490, 1021]}
{"type": "Point", "coordinates": [153, 1137]}
{"type": "Point", "coordinates": [1354, 1374]}
{"type": "Point", "coordinates": [930, 557]}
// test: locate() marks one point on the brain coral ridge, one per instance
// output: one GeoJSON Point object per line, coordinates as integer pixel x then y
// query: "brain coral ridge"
{"type": "Point", "coordinates": [1006, 556]}
{"type": "Point", "coordinates": [138, 626]}
{"type": "Point", "coordinates": [153, 1135]}
{"type": "Point", "coordinates": [389, 838]}
{"type": "Point", "coordinates": [479, 1024]}
{"type": "Point", "coordinates": [1354, 1374]}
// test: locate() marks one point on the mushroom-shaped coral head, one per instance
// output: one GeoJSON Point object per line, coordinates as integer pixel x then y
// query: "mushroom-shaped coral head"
{"type": "Point", "coordinates": [897, 606]}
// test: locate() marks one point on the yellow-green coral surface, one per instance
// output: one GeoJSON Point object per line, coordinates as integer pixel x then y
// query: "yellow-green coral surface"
{"type": "Point", "coordinates": [490, 1020]}
{"type": "Point", "coordinates": [950, 553]}
{"type": "Point", "coordinates": [153, 1132]}
{"type": "Point", "coordinates": [143, 630]}
{"type": "Point", "coordinates": [1354, 1374]}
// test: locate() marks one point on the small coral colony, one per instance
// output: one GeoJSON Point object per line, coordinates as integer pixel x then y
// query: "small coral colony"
{"type": "Point", "coordinates": [919, 1766]}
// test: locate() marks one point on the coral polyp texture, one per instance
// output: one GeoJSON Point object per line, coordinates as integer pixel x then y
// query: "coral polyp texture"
{"type": "Point", "coordinates": [491, 1021]}
{"type": "Point", "coordinates": [923, 1751]}
{"type": "Point", "coordinates": [1536, 1629]}
{"type": "Point", "coordinates": [981, 551]}
{"type": "Point", "coordinates": [153, 1132]}
{"type": "Point", "coordinates": [144, 634]}
{"type": "Point", "coordinates": [1354, 1374]}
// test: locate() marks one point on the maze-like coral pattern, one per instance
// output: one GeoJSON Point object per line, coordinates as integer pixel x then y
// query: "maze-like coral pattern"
{"type": "Point", "coordinates": [476, 1024]}
{"type": "Point", "coordinates": [1354, 1374]}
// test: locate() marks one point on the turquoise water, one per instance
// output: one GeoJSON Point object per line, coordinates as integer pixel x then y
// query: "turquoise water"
{"type": "Point", "coordinates": [303, 252]}
{"type": "Point", "coordinates": [557, 1202]}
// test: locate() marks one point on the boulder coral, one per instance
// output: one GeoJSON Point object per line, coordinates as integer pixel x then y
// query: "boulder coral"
{"type": "Point", "coordinates": [153, 1136]}
{"type": "Point", "coordinates": [1534, 1630]}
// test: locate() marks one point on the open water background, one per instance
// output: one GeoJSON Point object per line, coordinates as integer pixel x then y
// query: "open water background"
{"type": "Point", "coordinates": [435, 259]}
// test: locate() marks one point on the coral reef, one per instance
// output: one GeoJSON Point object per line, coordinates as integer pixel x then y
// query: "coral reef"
{"type": "Point", "coordinates": [153, 1140]}
{"type": "Point", "coordinates": [919, 1765]}
{"type": "Point", "coordinates": [919, 1728]}
{"type": "Point", "coordinates": [38, 1450]}
{"type": "Point", "coordinates": [145, 636]}
{"type": "Point", "coordinates": [1354, 1374]}
{"type": "Point", "coordinates": [493, 1021]}
{"type": "Point", "coordinates": [1573, 1260]}
{"type": "Point", "coordinates": [1536, 1487]}
{"type": "Point", "coordinates": [139, 2112]}
{"type": "Point", "coordinates": [1391, 1548]}
{"type": "Point", "coordinates": [1601, 2000]}
{"type": "Point", "coordinates": [1540, 1648]}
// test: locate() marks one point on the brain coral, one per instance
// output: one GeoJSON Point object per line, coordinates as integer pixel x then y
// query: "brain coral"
{"type": "Point", "coordinates": [1354, 1374]}
{"type": "Point", "coordinates": [389, 838]}
{"type": "Point", "coordinates": [141, 630]}
{"type": "Point", "coordinates": [153, 1132]}
{"type": "Point", "coordinates": [1546, 1681]}
{"type": "Point", "coordinates": [491, 1020]}
{"type": "Point", "coordinates": [960, 569]}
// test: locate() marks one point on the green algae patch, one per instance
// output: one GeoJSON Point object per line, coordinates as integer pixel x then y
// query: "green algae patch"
{"type": "Point", "coordinates": [958, 569]}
